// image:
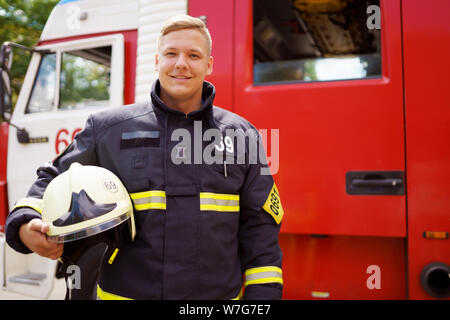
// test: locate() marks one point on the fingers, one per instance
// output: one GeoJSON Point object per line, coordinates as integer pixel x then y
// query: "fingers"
{"type": "Point", "coordinates": [33, 235]}
{"type": "Point", "coordinates": [49, 249]}
{"type": "Point", "coordinates": [56, 252]}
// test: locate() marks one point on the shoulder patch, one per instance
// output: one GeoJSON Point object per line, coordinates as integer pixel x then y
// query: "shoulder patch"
{"type": "Point", "coordinates": [273, 205]}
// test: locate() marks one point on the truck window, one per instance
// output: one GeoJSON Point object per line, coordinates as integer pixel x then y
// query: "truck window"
{"type": "Point", "coordinates": [306, 40]}
{"type": "Point", "coordinates": [85, 78]}
{"type": "Point", "coordinates": [43, 93]}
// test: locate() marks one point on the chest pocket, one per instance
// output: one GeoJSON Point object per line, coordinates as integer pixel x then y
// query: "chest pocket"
{"type": "Point", "coordinates": [145, 185]}
{"type": "Point", "coordinates": [225, 178]}
{"type": "Point", "coordinates": [231, 167]}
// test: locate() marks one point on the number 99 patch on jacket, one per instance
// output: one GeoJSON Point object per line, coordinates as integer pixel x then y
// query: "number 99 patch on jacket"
{"type": "Point", "coordinates": [273, 205]}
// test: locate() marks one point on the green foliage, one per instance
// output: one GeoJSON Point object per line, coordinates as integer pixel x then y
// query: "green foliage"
{"type": "Point", "coordinates": [82, 80]}
{"type": "Point", "coordinates": [22, 21]}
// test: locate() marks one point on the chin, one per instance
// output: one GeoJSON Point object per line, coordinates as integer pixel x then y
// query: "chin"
{"type": "Point", "coordinates": [180, 94]}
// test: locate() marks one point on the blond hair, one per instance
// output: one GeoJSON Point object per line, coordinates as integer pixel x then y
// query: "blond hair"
{"type": "Point", "coordinates": [183, 21]}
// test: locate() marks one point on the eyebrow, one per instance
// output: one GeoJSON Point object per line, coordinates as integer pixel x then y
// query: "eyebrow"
{"type": "Point", "coordinates": [176, 49]}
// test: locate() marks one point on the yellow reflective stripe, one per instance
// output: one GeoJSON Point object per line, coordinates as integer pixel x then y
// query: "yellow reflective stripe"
{"type": "Point", "coordinates": [103, 295]}
{"type": "Point", "coordinates": [240, 295]}
{"type": "Point", "coordinates": [219, 202]}
{"type": "Point", "coordinates": [144, 194]}
{"type": "Point", "coordinates": [221, 196]}
{"type": "Point", "coordinates": [33, 203]}
{"type": "Point", "coordinates": [213, 207]}
{"type": "Point", "coordinates": [152, 199]}
{"type": "Point", "coordinates": [262, 269]}
{"type": "Point", "coordinates": [259, 275]}
{"type": "Point", "coordinates": [264, 280]}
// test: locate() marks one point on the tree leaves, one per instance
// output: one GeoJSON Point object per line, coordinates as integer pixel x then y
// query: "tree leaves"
{"type": "Point", "coordinates": [22, 21]}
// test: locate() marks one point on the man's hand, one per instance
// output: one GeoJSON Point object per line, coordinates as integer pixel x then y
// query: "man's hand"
{"type": "Point", "coordinates": [33, 236]}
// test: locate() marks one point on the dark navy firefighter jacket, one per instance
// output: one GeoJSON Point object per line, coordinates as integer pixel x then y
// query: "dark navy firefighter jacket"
{"type": "Point", "coordinates": [204, 231]}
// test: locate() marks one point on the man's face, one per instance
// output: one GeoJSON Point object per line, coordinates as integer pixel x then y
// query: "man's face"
{"type": "Point", "coordinates": [182, 63]}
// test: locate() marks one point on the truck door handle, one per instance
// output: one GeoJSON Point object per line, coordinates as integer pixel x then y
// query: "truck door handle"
{"type": "Point", "coordinates": [24, 137]}
{"type": "Point", "coordinates": [375, 183]}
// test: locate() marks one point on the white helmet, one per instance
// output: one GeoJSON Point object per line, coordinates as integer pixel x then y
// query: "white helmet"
{"type": "Point", "coordinates": [85, 201]}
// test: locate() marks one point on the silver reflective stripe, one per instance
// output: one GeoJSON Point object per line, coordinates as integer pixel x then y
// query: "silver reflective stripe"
{"type": "Point", "coordinates": [263, 275]}
{"type": "Point", "coordinates": [153, 199]}
{"type": "Point", "coordinates": [149, 200]}
{"type": "Point", "coordinates": [140, 134]}
{"type": "Point", "coordinates": [219, 202]}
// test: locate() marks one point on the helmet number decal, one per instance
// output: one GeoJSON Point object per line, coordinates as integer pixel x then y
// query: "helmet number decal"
{"type": "Point", "coordinates": [110, 185]}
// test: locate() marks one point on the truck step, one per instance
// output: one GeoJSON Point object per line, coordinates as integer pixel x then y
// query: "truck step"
{"type": "Point", "coordinates": [31, 278]}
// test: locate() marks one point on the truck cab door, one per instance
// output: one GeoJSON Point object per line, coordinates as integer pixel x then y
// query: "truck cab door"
{"type": "Point", "coordinates": [330, 79]}
{"type": "Point", "coordinates": [62, 87]}
{"type": "Point", "coordinates": [328, 76]}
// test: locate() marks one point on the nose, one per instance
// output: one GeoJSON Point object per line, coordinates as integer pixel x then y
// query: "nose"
{"type": "Point", "coordinates": [181, 62]}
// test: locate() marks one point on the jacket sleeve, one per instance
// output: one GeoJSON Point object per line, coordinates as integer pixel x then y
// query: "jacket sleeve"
{"type": "Point", "coordinates": [82, 150]}
{"type": "Point", "coordinates": [260, 220]}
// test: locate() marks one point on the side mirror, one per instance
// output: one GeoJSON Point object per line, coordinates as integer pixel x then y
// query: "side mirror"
{"type": "Point", "coordinates": [5, 84]}
{"type": "Point", "coordinates": [6, 57]}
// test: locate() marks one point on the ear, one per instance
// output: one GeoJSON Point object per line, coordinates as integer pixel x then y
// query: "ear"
{"type": "Point", "coordinates": [210, 65]}
{"type": "Point", "coordinates": [156, 62]}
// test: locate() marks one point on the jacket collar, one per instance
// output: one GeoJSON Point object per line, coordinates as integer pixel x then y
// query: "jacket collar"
{"type": "Point", "coordinates": [208, 95]}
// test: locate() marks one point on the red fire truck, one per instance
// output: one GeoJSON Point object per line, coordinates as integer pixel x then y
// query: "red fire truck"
{"type": "Point", "coordinates": [353, 97]}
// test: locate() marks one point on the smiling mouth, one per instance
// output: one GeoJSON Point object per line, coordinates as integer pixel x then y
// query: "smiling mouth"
{"type": "Point", "coordinates": [180, 77]}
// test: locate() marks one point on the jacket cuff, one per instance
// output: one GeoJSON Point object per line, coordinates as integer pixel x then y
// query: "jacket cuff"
{"type": "Point", "coordinates": [13, 223]}
{"type": "Point", "coordinates": [267, 291]}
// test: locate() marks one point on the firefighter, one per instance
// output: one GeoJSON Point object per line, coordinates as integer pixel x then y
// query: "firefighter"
{"type": "Point", "coordinates": [203, 230]}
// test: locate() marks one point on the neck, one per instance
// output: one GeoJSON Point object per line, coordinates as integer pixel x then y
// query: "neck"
{"type": "Point", "coordinates": [183, 105]}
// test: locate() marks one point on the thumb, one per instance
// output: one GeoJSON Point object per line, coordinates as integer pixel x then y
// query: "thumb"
{"type": "Point", "coordinates": [44, 227]}
{"type": "Point", "coordinates": [35, 225]}
{"type": "Point", "coordinates": [39, 226]}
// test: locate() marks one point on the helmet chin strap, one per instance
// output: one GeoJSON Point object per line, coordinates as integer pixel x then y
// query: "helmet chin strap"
{"type": "Point", "coordinates": [83, 260]}
{"type": "Point", "coordinates": [81, 278]}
